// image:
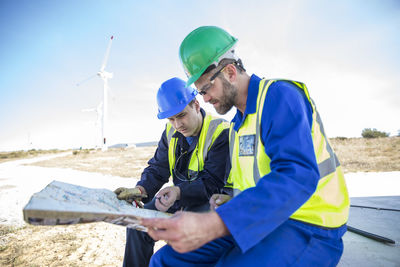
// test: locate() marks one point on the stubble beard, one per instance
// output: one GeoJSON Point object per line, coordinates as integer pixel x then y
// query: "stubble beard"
{"type": "Point", "coordinates": [229, 97]}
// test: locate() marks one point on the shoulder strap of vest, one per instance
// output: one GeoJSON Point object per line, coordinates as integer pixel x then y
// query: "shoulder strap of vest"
{"type": "Point", "coordinates": [263, 87]}
{"type": "Point", "coordinates": [214, 127]}
{"type": "Point", "coordinates": [260, 105]}
{"type": "Point", "coordinates": [169, 131]}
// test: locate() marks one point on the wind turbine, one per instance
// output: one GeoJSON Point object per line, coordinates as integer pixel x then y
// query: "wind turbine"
{"type": "Point", "coordinates": [104, 75]}
{"type": "Point", "coordinates": [102, 115]}
{"type": "Point", "coordinates": [99, 118]}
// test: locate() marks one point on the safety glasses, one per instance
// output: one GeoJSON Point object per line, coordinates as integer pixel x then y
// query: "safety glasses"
{"type": "Point", "coordinates": [207, 87]}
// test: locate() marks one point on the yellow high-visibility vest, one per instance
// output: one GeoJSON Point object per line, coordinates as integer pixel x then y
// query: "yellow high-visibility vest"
{"type": "Point", "coordinates": [210, 130]}
{"type": "Point", "coordinates": [329, 205]}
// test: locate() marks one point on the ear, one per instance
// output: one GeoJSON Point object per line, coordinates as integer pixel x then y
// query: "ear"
{"type": "Point", "coordinates": [230, 73]}
{"type": "Point", "coordinates": [197, 105]}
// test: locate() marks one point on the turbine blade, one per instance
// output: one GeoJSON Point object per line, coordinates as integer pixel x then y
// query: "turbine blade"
{"type": "Point", "coordinates": [103, 66]}
{"type": "Point", "coordinates": [87, 79]}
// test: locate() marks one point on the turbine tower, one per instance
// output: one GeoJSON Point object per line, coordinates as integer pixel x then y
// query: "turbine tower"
{"type": "Point", "coordinates": [104, 75]}
{"type": "Point", "coordinates": [99, 119]}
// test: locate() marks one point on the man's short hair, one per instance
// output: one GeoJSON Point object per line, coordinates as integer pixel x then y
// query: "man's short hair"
{"type": "Point", "coordinates": [192, 102]}
{"type": "Point", "coordinates": [226, 61]}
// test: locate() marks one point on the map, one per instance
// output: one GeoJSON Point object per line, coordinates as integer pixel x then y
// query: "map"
{"type": "Point", "coordinates": [62, 203]}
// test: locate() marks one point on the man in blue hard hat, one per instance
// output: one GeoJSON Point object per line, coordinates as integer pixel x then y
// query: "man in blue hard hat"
{"type": "Point", "coordinates": [193, 150]}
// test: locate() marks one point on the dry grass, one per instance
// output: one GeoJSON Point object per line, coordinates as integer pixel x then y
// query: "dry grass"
{"type": "Point", "coordinates": [368, 155]}
{"type": "Point", "coordinates": [355, 155]}
{"type": "Point", "coordinates": [13, 155]}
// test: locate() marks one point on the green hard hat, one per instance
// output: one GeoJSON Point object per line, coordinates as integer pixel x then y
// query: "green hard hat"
{"type": "Point", "coordinates": [203, 47]}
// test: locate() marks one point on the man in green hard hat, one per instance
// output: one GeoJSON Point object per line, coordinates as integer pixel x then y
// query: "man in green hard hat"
{"type": "Point", "coordinates": [193, 150]}
{"type": "Point", "coordinates": [290, 202]}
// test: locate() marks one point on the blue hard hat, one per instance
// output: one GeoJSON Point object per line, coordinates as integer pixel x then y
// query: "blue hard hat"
{"type": "Point", "coordinates": [173, 96]}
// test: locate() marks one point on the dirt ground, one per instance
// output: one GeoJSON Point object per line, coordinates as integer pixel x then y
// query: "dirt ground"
{"type": "Point", "coordinates": [92, 244]}
{"type": "Point", "coordinates": [102, 244]}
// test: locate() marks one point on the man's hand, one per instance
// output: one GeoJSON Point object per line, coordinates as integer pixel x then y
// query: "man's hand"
{"type": "Point", "coordinates": [166, 197]}
{"type": "Point", "coordinates": [131, 194]}
{"type": "Point", "coordinates": [186, 231]}
{"type": "Point", "coordinates": [217, 200]}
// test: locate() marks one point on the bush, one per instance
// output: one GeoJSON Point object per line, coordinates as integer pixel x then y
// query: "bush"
{"type": "Point", "coordinates": [81, 151]}
{"type": "Point", "coordinates": [373, 133]}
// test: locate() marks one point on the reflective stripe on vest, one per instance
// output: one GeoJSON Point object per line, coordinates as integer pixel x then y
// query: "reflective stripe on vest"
{"type": "Point", "coordinates": [210, 130]}
{"type": "Point", "coordinates": [329, 204]}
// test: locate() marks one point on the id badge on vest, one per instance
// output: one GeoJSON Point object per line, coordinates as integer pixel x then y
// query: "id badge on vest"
{"type": "Point", "coordinates": [247, 145]}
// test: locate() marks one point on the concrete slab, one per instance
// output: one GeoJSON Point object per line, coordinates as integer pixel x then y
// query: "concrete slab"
{"type": "Point", "coordinates": [362, 251]}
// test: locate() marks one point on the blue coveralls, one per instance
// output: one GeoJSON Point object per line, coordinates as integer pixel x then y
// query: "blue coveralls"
{"type": "Point", "coordinates": [258, 218]}
{"type": "Point", "coordinates": [194, 195]}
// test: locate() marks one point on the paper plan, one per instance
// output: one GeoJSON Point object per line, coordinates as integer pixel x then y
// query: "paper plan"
{"type": "Point", "coordinates": [63, 203]}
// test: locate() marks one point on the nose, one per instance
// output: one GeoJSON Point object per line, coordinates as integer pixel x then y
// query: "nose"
{"type": "Point", "coordinates": [178, 124]}
{"type": "Point", "coordinates": [206, 98]}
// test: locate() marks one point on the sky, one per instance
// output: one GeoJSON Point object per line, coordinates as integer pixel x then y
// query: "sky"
{"type": "Point", "coordinates": [346, 52]}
